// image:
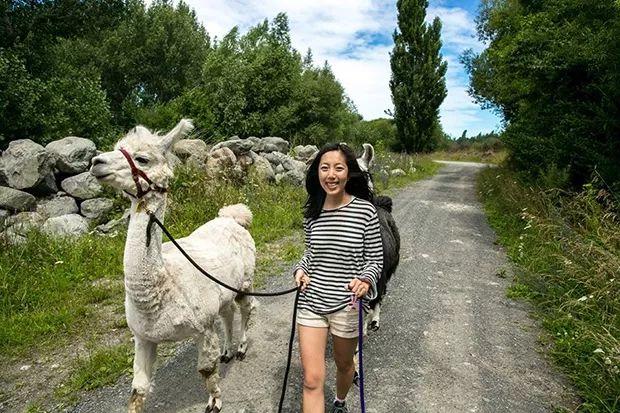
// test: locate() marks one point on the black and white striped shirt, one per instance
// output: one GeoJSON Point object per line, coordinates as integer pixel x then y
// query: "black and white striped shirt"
{"type": "Point", "coordinates": [341, 244]}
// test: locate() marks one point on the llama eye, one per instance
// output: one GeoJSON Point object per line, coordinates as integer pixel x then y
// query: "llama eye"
{"type": "Point", "coordinates": [142, 159]}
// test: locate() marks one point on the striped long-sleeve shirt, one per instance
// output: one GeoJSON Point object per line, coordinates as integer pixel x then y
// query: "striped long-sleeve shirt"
{"type": "Point", "coordinates": [341, 244]}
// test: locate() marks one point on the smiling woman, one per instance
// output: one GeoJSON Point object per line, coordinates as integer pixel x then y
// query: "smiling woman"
{"type": "Point", "coordinates": [341, 263]}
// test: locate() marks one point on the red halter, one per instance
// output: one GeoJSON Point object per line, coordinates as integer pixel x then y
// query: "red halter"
{"type": "Point", "coordinates": [136, 174]}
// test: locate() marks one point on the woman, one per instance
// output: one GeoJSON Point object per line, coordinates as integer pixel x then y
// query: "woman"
{"type": "Point", "coordinates": [341, 262]}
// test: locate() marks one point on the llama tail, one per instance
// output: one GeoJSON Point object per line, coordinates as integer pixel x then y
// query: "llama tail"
{"type": "Point", "coordinates": [239, 212]}
{"type": "Point", "coordinates": [384, 202]}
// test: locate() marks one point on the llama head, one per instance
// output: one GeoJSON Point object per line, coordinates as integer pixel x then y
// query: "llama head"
{"type": "Point", "coordinates": [366, 160]}
{"type": "Point", "coordinates": [147, 150]}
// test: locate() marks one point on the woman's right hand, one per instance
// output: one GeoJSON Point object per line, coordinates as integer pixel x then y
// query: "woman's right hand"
{"type": "Point", "coordinates": [302, 279]}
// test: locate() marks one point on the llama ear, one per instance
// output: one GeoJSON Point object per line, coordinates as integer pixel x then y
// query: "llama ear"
{"type": "Point", "coordinates": [180, 131]}
{"type": "Point", "coordinates": [141, 131]}
{"type": "Point", "coordinates": [369, 154]}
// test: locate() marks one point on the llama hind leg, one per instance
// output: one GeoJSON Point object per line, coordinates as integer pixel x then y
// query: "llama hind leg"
{"type": "Point", "coordinates": [228, 315]}
{"type": "Point", "coordinates": [143, 361]}
{"type": "Point", "coordinates": [208, 366]}
{"type": "Point", "coordinates": [247, 305]}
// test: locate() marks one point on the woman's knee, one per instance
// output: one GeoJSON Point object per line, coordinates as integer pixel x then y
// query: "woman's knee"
{"type": "Point", "coordinates": [344, 364]}
{"type": "Point", "coordinates": [314, 380]}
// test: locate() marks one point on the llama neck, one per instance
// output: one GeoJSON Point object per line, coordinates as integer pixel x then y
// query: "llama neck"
{"type": "Point", "coordinates": [144, 266]}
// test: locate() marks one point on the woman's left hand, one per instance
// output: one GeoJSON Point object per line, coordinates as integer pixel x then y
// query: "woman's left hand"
{"type": "Point", "coordinates": [359, 287]}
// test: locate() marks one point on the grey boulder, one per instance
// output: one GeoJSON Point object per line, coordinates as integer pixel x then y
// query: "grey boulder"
{"type": "Point", "coordinates": [96, 208]}
{"type": "Point", "coordinates": [305, 153]}
{"type": "Point", "coordinates": [70, 225]}
{"type": "Point", "coordinates": [72, 154]}
{"type": "Point", "coordinates": [293, 177]}
{"type": "Point", "coordinates": [272, 144]}
{"type": "Point", "coordinates": [15, 200]}
{"type": "Point", "coordinates": [82, 186]}
{"type": "Point", "coordinates": [262, 170]}
{"type": "Point", "coordinates": [190, 147]}
{"type": "Point", "coordinates": [27, 165]}
{"type": "Point", "coordinates": [59, 205]}
{"type": "Point", "coordinates": [238, 146]}
{"type": "Point", "coordinates": [24, 222]}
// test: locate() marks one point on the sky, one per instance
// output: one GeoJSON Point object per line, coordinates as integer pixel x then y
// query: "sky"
{"type": "Point", "coordinates": [355, 37]}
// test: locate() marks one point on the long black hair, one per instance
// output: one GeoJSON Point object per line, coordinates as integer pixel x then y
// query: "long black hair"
{"type": "Point", "coordinates": [357, 182]}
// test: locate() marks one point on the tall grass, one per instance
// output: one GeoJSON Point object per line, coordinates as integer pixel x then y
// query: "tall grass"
{"type": "Point", "coordinates": [567, 247]}
{"type": "Point", "coordinates": [415, 167]}
{"type": "Point", "coordinates": [47, 288]}
{"type": "Point", "coordinates": [472, 155]}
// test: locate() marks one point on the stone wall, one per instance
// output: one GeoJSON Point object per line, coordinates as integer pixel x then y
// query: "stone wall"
{"type": "Point", "coordinates": [50, 188]}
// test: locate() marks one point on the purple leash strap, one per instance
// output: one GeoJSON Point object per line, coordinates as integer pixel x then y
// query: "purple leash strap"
{"type": "Point", "coordinates": [360, 344]}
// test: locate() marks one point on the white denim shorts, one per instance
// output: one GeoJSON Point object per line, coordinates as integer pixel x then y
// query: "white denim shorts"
{"type": "Point", "coordinates": [342, 323]}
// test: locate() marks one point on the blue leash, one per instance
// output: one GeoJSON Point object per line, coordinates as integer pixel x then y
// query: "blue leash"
{"type": "Point", "coordinates": [360, 341]}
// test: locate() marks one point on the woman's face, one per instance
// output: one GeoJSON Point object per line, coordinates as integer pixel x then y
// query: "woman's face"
{"type": "Point", "coordinates": [333, 173]}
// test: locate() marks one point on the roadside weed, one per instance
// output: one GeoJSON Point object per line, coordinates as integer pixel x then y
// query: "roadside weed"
{"type": "Point", "coordinates": [567, 249]}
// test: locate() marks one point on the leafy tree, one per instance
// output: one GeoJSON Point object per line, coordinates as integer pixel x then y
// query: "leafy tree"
{"type": "Point", "coordinates": [154, 56]}
{"type": "Point", "coordinates": [31, 28]}
{"type": "Point", "coordinates": [323, 112]}
{"type": "Point", "coordinates": [551, 70]}
{"type": "Point", "coordinates": [19, 93]}
{"type": "Point", "coordinates": [381, 133]}
{"type": "Point", "coordinates": [69, 103]}
{"type": "Point", "coordinates": [257, 84]}
{"type": "Point", "coordinates": [418, 77]}
{"type": "Point", "coordinates": [115, 63]}
{"type": "Point", "coordinates": [41, 39]}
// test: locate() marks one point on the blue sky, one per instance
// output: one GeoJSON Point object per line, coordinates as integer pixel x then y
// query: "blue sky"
{"type": "Point", "coordinates": [355, 37]}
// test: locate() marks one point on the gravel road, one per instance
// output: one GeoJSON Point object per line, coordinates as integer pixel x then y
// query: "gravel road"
{"type": "Point", "coordinates": [450, 340]}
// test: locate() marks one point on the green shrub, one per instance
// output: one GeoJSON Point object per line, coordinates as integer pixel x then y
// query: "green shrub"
{"type": "Point", "coordinates": [567, 248]}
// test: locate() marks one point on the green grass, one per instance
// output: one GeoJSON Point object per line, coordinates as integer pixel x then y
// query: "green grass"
{"type": "Point", "coordinates": [194, 200]}
{"type": "Point", "coordinates": [416, 167]}
{"type": "Point", "coordinates": [471, 155]}
{"type": "Point", "coordinates": [47, 290]}
{"type": "Point", "coordinates": [100, 367]}
{"type": "Point", "coordinates": [567, 250]}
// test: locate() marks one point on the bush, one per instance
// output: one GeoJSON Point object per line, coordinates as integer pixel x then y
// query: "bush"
{"type": "Point", "coordinates": [567, 250]}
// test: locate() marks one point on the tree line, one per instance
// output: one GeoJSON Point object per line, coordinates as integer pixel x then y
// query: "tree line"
{"type": "Point", "coordinates": [552, 71]}
{"type": "Point", "coordinates": [94, 68]}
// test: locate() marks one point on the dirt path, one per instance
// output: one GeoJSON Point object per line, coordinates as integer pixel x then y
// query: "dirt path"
{"type": "Point", "coordinates": [450, 340]}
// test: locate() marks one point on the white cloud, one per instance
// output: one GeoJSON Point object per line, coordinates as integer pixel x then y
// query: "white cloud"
{"type": "Point", "coordinates": [332, 30]}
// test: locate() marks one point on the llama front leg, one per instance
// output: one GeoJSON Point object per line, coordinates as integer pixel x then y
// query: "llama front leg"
{"type": "Point", "coordinates": [208, 366]}
{"type": "Point", "coordinates": [247, 305]}
{"type": "Point", "coordinates": [146, 352]}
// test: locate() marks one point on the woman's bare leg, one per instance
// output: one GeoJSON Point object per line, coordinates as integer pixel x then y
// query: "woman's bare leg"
{"type": "Point", "coordinates": [312, 343]}
{"type": "Point", "coordinates": [344, 349]}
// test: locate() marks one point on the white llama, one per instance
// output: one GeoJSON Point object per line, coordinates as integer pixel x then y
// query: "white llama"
{"type": "Point", "coordinates": [166, 298]}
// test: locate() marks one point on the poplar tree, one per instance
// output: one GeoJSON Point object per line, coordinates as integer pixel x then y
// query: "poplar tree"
{"type": "Point", "coordinates": [418, 82]}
